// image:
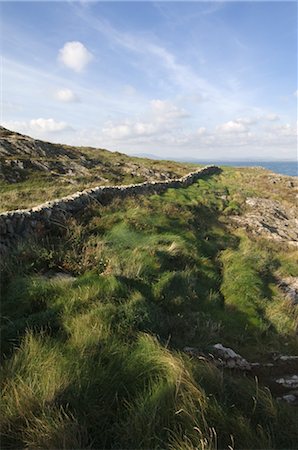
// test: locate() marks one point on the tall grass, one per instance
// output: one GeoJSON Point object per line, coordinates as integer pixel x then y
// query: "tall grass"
{"type": "Point", "coordinates": [95, 360]}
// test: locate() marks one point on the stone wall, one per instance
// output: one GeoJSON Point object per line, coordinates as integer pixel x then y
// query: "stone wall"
{"type": "Point", "coordinates": [22, 223]}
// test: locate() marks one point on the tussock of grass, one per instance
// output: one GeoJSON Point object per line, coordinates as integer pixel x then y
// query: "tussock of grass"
{"type": "Point", "coordinates": [95, 361]}
{"type": "Point", "coordinates": [124, 394]}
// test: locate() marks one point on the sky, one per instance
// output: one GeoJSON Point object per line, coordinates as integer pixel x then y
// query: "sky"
{"type": "Point", "coordinates": [203, 80]}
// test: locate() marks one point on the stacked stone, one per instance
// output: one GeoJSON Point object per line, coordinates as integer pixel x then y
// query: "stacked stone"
{"type": "Point", "coordinates": [22, 223]}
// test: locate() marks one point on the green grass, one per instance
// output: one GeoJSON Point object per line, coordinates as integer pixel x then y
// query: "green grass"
{"type": "Point", "coordinates": [106, 168]}
{"type": "Point", "coordinates": [96, 361]}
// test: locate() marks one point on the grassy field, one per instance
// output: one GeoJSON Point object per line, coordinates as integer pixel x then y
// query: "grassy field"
{"type": "Point", "coordinates": [106, 168]}
{"type": "Point", "coordinates": [95, 360]}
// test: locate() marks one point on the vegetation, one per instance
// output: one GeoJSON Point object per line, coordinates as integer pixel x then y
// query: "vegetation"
{"type": "Point", "coordinates": [95, 359]}
{"type": "Point", "coordinates": [41, 187]}
{"type": "Point", "coordinates": [33, 171]}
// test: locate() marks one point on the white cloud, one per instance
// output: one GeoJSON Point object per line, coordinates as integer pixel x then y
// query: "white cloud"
{"type": "Point", "coordinates": [129, 129]}
{"type": "Point", "coordinates": [272, 117]}
{"type": "Point", "coordinates": [201, 131]}
{"type": "Point", "coordinates": [165, 110]}
{"type": "Point", "coordinates": [157, 121]}
{"type": "Point", "coordinates": [46, 125]}
{"type": "Point", "coordinates": [20, 126]}
{"type": "Point", "coordinates": [247, 120]}
{"type": "Point", "coordinates": [75, 56]}
{"type": "Point", "coordinates": [66, 96]}
{"type": "Point", "coordinates": [233, 126]}
{"type": "Point", "coordinates": [295, 93]}
{"type": "Point", "coordinates": [37, 126]}
{"type": "Point", "coordinates": [284, 130]}
{"type": "Point", "coordinates": [279, 141]}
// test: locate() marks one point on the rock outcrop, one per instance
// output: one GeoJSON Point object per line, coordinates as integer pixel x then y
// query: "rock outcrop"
{"type": "Point", "coordinates": [22, 157]}
{"type": "Point", "coordinates": [289, 286]}
{"type": "Point", "coordinates": [229, 358]}
{"type": "Point", "coordinates": [280, 375]}
{"type": "Point", "coordinates": [271, 219]}
{"type": "Point", "coordinates": [221, 356]}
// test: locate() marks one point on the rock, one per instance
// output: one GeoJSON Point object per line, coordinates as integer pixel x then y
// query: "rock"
{"type": "Point", "coordinates": [289, 286]}
{"type": "Point", "coordinates": [59, 276]}
{"type": "Point", "coordinates": [289, 398]}
{"type": "Point", "coordinates": [230, 358]}
{"type": "Point", "coordinates": [286, 358]}
{"type": "Point", "coordinates": [20, 223]}
{"type": "Point", "coordinates": [231, 363]}
{"type": "Point", "coordinates": [290, 381]}
{"type": "Point", "coordinates": [271, 219]}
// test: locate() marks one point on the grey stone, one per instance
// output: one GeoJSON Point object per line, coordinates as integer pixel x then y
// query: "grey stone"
{"type": "Point", "coordinates": [271, 219]}
{"type": "Point", "coordinates": [21, 222]}
{"type": "Point", "coordinates": [290, 381]}
{"type": "Point", "coordinates": [230, 358]}
{"type": "Point", "coordinates": [287, 358]}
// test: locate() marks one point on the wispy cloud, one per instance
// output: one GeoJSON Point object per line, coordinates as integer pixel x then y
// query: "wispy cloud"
{"type": "Point", "coordinates": [196, 83]}
{"type": "Point", "coordinates": [179, 74]}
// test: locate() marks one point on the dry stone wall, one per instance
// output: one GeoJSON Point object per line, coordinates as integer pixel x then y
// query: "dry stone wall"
{"type": "Point", "coordinates": [22, 223]}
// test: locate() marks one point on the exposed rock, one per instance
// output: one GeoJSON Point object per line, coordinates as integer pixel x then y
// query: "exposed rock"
{"type": "Point", "coordinates": [283, 387]}
{"type": "Point", "coordinates": [289, 285]}
{"type": "Point", "coordinates": [271, 219]}
{"type": "Point", "coordinates": [21, 155]}
{"type": "Point", "coordinates": [289, 398]}
{"type": "Point", "coordinates": [221, 356]}
{"type": "Point", "coordinates": [290, 381]}
{"type": "Point", "coordinates": [255, 364]}
{"type": "Point", "coordinates": [230, 358]}
{"type": "Point", "coordinates": [286, 358]}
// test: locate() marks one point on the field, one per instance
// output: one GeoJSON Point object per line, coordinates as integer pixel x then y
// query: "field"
{"type": "Point", "coordinates": [95, 318]}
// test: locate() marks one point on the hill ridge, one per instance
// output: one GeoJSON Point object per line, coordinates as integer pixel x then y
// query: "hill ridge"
{"type": "Point", "coordinates": [31, 170]}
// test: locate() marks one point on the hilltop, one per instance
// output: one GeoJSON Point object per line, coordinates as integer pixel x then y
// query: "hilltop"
{"type": "Point", "coordinates": [31, 169]}
{"type": "Point", "coordinates": [166, 320]}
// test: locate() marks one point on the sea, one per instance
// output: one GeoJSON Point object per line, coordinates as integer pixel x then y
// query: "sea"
{"type": "Point", "coordinates": [280, 167]}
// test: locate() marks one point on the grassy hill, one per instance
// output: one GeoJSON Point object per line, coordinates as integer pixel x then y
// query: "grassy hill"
{"type": "Point", "coordinates": [32, 170]}
{"type": "Point", "coordinates": [97, 315]}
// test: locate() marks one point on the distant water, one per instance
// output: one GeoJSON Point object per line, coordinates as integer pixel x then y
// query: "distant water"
{"type": "Point", "coordinates": [282, 167]}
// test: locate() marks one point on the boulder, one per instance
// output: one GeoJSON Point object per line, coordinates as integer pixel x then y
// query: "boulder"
{"type": "Point", "coordinates": [229, 358]}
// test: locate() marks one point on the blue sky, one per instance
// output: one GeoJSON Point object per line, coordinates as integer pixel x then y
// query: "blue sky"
{"type": "Point", "coordinates": [205, 80]}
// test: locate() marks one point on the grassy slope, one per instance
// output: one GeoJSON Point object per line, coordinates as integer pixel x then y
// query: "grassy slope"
{"type": "Point", "coordinates": [109, 168]}
{"type": "Point", "coordinates": [96, 362]}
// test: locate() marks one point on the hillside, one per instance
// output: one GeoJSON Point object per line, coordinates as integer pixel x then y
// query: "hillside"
{"type": "Point", "coordinates": [31, 169]}
{"type": "Point", "coordinates": [162, 321]}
